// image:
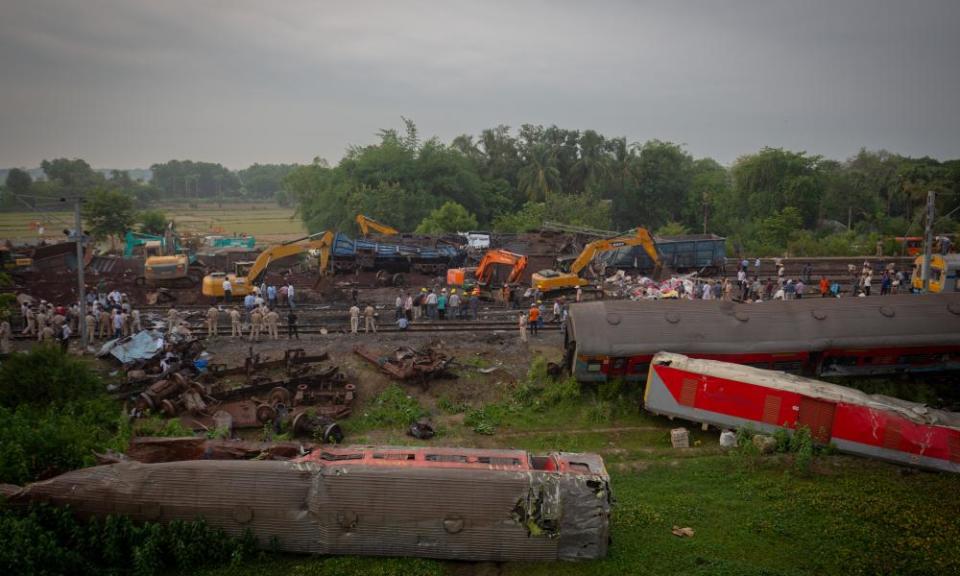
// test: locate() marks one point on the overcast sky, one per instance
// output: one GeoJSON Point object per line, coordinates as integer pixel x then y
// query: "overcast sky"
{"type": "Point", "coordinates": [127, 83]}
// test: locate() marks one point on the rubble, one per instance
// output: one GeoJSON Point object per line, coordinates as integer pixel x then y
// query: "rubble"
{"type": "Point", "coordinates": [407, 363]}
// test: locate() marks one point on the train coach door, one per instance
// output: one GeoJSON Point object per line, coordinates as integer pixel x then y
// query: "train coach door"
{"type": "Point", "coordinates": [817, 415]}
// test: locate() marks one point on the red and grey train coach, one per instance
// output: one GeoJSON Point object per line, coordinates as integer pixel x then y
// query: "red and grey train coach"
{"type": "Point", "coordinates": [450, 503]}
{"type": "Point", "coordinates": [734, 396]}
{"type": "Point", "coordinates": [811, 336]}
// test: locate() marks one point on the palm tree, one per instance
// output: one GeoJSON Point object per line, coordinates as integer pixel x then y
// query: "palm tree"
{"type": "Point", "coordinates": [540, 177]}
{"type": "Point", "coordinates": [593, 164]}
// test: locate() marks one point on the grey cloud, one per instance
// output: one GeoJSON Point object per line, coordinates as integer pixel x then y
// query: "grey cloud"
{"type": "Point", "coordinates": [128, 83]}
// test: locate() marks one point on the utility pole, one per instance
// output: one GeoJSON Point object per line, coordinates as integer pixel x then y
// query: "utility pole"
{"type": "Point", "coordinates": [705, 198]}
{"type": "Point", "coordinates": [928, 240]}
{"type": "Point", "coordinates": [81, 285]}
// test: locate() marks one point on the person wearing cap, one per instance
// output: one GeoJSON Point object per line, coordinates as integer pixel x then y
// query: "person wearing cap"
{"type": "Point", "coordinates": [454, 304]}
{"type": "Point", "coordinates": [442, 304]}
{"type": "Point", "coordinates": [431, 299]}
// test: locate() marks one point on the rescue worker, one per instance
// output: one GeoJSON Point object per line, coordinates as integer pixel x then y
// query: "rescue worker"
{"type": "Point", "coordinates": [46, 334]}
{"type": "Point", "coordinates": [213, 319]}
{"type": "Point", "coordinates": [135, 326]}
{"type": "Point", "coordinates": [475, 304]}
{"type": "Point", "coordinates": [256, 320]}
{"type": "Point", "coordinates": [354, 319]}
{"type": "Point", "coordinates": [236, 329]}
{"type": "Point", "coordinates": [5, 333]}
{"type": "Point", "coordinates": [533, 319]}
{"type": "Point", "coordinates": [30, 317]}
{"type": "Point", "coordinates": [523, 327]}
{"type": "Point", "coordinates": [408, 307]}
{"type": "Point", "coordinates": [65, 333]}
{"type": "Point", "coordinates": [172, 319]}
{"type": "Point", "coordinates": [453, 304]}
{"type": "Point", "coordinates": [118, 318]}
{"type": "Point", "coordinates": [273, 318]}
{"type": "Point", "coordinates": [41, 320]}
{"type": "Point", "coordinates": [91, 323]}
{"type": "Point", "coordinates": [368, 319]}
{"type": "Point", "coordinates": [227, 290]}
{"type": "Point", "coordinates": [292, 325]}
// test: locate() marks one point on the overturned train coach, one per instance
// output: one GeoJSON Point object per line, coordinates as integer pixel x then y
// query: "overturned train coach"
{"type": "Point", "coordinates": [876, 426]}
{"type": "Point", "coordinates": [450, 503]}
{"type": "Point", "coordinates": [812, 336]}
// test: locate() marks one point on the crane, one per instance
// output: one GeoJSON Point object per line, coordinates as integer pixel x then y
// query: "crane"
{"type": "Point", "coordinates": [248, 273]}
{"type": "Point", "coordinates": [483, 273]}
{"type": "Point", "coordinates": [366, 224]}
{"type": "Point", "coordinates": [552, 280]}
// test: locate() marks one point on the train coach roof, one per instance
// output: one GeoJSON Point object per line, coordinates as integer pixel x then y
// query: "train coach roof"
{"type": "Point", "coordinates": [626, 328]}
{"type": "Point", "coordinates": [777, 380]}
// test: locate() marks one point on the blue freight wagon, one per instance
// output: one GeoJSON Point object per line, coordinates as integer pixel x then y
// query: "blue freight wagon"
{"type": "Point", "coordinates": [697, 252]}
{"type": "Point", "coordinates": [351, 254]}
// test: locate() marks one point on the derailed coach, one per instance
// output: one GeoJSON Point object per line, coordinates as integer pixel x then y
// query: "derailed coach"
{"type": "Point", "coordinates": [447, 503]}
{"type": "Point", "coordinates": [812, 336]}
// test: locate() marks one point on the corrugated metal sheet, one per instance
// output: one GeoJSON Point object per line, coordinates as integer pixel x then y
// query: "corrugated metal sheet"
{"type": "Point", "coordinates": [628, 328]}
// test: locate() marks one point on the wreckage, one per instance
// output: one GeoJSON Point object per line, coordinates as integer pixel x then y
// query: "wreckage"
{"type": "Point", "coordinates": [447, 503]}
{"type": "Point", "coordinates": [406, 363]}
{"type": "Point", "coordinates": [871, 425]}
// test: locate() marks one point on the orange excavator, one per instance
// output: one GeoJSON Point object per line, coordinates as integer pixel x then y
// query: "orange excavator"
{"type": "Point", "coordinates": [482, 276]}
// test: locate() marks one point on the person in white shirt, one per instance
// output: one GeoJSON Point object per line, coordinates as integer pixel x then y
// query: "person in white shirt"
{"type": "Point", "coordinates": [227, 290]}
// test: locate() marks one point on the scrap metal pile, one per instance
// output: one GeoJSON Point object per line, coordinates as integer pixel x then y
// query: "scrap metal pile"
{"type": "Point", "coordinates": [406, 363]}
{"type": "Point", "coordinates": [172, 375]}
{"type": "Point", "coordinates": [643, 288]}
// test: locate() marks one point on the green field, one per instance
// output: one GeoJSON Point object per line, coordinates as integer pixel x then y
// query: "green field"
{"type": "Point", "coordinates": [266, 221]}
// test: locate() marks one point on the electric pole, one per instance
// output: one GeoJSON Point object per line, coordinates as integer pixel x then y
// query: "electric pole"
{"type": "Point", "coordinates": [81, 285]}
{"type": "Point", "coordinates": [928, 241]}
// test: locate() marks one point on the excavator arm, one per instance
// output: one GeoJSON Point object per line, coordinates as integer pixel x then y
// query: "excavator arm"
{"type": "Point", "coordinates": [366, 224]}
{"type": "Point", "coordinates": [321, 241]}
{"type": "Point", "coordinates": [639, 237]}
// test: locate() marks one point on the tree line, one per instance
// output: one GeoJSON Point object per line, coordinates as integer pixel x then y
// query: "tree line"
{"type": "Point", "coordinates": [513, 180]}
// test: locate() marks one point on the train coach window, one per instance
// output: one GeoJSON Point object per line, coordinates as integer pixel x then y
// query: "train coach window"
{"type": "Point", "coordinates": [792, 366]}
{"type": "Point", "coordinates": [446, 458]}
{"type": "Point", "coordinates": [543, 463]}
{"type": "Point", "coordinates": [594, 367]}
{"type": "Point", "coordinates": [640, 368]}
{"type": "Point", "coordinates": [402, 456]}
{"type": "Point", "coordinates": [334, 457]}
{"type": "Point", "coordinates": [498, 461]}
{"type": "Point", "coordinates": [619, 363]}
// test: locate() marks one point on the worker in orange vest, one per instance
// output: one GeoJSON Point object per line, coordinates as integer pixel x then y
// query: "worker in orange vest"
{"type": "Point", "coordinates": [533, 318]}
{"type": "Point", "coordinates": [824, 287]}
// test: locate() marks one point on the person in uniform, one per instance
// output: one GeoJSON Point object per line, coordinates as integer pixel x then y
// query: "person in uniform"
{"type": "Point", "coordinates": [236, 328]}
{"type": "Point", "coordinates": [213, 318]}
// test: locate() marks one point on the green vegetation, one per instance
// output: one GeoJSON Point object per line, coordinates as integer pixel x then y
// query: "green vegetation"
{"type": "Point", "coordinates": [43, 539]}
{"type": "Point", "coordinates": [108, 213]}
{"type": "Point", "coordinates": [392, 408]}
{"type": "Point", "coordinates": [54, 414]}
{"type": "Point", "coordinates": [451, 217]}
{"type": "Point", "coordinates": [152, 222]}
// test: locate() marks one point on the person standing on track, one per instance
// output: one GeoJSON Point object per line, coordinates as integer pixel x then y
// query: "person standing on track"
{"type": "Point", "coordinates": [354, 319]}
{"type": "Point", "coordinates": [227, 290]}
{"type": "Point", "coordinates": [292, 325]}
{"type": "Point", "coordinates": [368, 319]}
{"type": "Point", "coordinates": [533, 318]}
{"type": "Point", "coordinates": [213, 317]}
{"type": "Point", "coordinates": [236, 328]}
{"type": "Point", "coordinates": [273, 319]}
{"type": "Point", "coordinates": [91, 323]}
{"type": "Point", "coordinates": [171, 319]}
{"type": "Point", "coordinates": [522, 322]}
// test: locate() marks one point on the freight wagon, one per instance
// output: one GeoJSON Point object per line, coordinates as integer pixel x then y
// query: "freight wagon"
{"type": "Point", "coordinates": [706, 253]}
{"type": "Point", "coordinates": [349, 254]}
{"type": "Point", "coordinates": [733, 396]}
{"type": "Point", "coordinates": [452, 503]}
{"type": "Point", "coordinates": [811, 336]}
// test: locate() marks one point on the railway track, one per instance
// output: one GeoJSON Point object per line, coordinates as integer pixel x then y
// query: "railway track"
{"type": "Point", "coordinates": [200, 331]}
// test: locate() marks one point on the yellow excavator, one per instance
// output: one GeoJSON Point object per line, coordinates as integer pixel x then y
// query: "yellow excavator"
{"type": "Point", "coordinates": [247, 274]}
{"type": "Point", "coordinates": [554, 281]}
{"type": "Point", "coordinates": [366, 224]}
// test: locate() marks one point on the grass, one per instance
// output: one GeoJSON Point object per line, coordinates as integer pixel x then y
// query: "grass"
{"type": "Point", "coordinates": [752, 516]}
{"type": "Point", "coordinates": [255, 219]}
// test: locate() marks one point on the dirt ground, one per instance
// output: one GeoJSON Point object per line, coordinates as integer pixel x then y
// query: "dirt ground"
{"type": "Point", "coordinates": [487, 364]}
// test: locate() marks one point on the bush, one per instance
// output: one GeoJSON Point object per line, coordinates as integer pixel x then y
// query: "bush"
{"type": "Point", "coordinates": [46, 376]}
{"type": "Point", "coordinates": [40, 442]}
{"type": "Point", "coordinates": [161, 428]}
{"type": "Point", "coordinates": [44, 539]}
